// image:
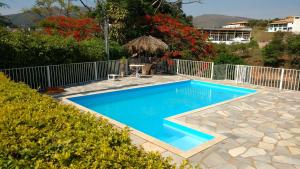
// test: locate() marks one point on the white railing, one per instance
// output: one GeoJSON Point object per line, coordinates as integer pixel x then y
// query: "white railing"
{"type": "Point", "coordinates": [256, 75]}
{"type": "Point", "coordinates": [41, 77]}
{"type": "Point", "coordinates": [194, 68]}
{"type": "Point", "coordinates": [264, 76]}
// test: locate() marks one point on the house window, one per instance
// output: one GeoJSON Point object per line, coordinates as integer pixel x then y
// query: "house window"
{"type": "Point", "coordinates": [297, 17]}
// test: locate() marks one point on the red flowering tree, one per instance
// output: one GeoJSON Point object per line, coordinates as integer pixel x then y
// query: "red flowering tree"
{"type": "Point", "coordinates": [183, 39]}
{"type": "Point", "coordinates": [78, 28]}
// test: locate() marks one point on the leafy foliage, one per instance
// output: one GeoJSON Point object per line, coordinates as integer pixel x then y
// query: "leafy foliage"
{"type": "Point", "coordinates": [179, 36]}
{"type": "Point", "coordinates": [39, 132]}
{"type": "Point", "coordinates": [225, 58]}
{"type": "Point", "coordinates": [258, 23]}
{"type": "Point", "coordinates": [47, 8]}
{"type": "Point", "coordinates": [79, 29]}
{"type": "Point", "coordinates": [235, 53]}
{"type": "Point", "coordinates": [19, 49]}
{"type": "Point", "coordinates": [293, 46]}
{"type": "Point", "coordinates": [126, 17]}
{"type": "Point", "coordinates": [274, 50]}
{"type": "Point", "coordinates": [293, 49]}
{"type": "Point", "coordinates": [4, 21]}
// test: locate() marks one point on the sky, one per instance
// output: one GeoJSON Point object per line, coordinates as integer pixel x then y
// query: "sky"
{"type": "Point", "coordinates": [258, 9]}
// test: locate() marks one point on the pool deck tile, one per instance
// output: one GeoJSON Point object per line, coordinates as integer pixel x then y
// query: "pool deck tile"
{"type": "Point", "coordinates": [262, 130]}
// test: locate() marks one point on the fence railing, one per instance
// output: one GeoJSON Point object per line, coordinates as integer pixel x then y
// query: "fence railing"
{"type": "Point", "coordinates": [256, 75]}
{"type": "Point", "coordinates": [195, 68]}
{"type": "Point", "coordinates": [264, 76]}
{"type": "Point", "coordinates": [41, 77]}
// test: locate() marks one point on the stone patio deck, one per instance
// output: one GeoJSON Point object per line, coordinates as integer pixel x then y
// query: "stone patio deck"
{"type": "Point", "coordinates": [263, 130]}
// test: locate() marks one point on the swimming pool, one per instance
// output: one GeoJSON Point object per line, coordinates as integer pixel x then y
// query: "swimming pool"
{"type": "Point", "coordinates": [145, 109]}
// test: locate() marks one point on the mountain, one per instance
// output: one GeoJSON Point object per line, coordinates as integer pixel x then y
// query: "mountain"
{"type": "Point", "coordinates": [24, 19]}
{"type": "Point", "coordinates": [215, 21]}
{"type": "Point", "coordinates": [29, 18]}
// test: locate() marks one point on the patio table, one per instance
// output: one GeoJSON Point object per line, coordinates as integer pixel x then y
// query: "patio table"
{"type": "Point", "coordinates": [137, 68]}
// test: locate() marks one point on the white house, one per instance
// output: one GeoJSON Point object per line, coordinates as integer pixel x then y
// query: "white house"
{"type": "Point", "coordinates": [289, 24]}
{"type": "Point", "coordinates": [241, 24]}
{"type": "Point", "coordinates": [228, 35]}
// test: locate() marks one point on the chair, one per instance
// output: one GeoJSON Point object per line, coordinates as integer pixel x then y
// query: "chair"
{"type": "Point", "coordinates": [146, 70]}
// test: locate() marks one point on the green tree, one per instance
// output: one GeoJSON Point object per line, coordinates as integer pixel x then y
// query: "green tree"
{"type": "Point", "coordinates": [226, 58]}
{"type": "Point", "coordinates": [4, 21]}
{"type": "Point", "coordinates": [21, 49]}
{"type": "Point", "coordinates": [258, 23]}
{"type": "Point", "coordinates": [274, 50]}
{"type": "Point", "coordinates": [46, 8]}
{"type": "Point", "coordinates": [293, 49]}
{"type": "Point", "coordinates": [126, 17]}
{"type": "Point", "coordinates": [67, 7]}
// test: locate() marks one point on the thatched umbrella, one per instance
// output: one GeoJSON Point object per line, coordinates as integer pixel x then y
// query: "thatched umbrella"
{"type": "Point", "coordinates": [146, 44]}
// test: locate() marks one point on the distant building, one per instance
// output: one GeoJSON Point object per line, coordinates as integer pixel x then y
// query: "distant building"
{"type": "Point", "coordinates": [228, 35]}
{"type": "Point", "coordinates": [289, 24]}
{"type": "Point", "coordinates": [241, 24]}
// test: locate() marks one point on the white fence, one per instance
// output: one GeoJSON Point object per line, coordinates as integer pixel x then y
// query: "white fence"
{"type": "Point", "coordinates": [41, 77]}
{"type": "Point", "coordinates": [256, 75]}
{"type": "Point", "coordinates": [264, 76]}
{"type": "Point", "coordinates": [195, 68]}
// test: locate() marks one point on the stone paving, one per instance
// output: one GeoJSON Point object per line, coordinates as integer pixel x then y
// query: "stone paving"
{"type": "Point", "coordinates": [263, 130]}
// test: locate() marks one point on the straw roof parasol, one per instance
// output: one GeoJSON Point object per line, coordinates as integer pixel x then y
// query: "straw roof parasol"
{"type": "Point", "coordinates": [146, 44]}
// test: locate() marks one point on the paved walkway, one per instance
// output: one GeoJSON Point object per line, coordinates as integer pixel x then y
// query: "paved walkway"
{"type": "Point", "coordinates": [263, 130]}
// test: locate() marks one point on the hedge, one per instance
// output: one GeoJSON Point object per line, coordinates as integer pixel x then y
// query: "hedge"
{"type": "Point", "coordinates": [23, 49]}
{"type": "Point", "coordinates": [36, 131]}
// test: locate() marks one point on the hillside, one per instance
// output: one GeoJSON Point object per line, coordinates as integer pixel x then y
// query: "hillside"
{"type": "Point", "coordinates": [214, 20]}
{"type": "Point", "coordinates": [29, 18]}
{"type": "Point", "coordinates": [24, 19]}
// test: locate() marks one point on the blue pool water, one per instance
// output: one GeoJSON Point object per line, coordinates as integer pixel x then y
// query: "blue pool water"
{"type": "Point", "coordinates": [146, 108]}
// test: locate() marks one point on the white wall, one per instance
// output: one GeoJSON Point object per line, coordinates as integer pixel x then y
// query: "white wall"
{"type": "Point", "coordinates": [232, 26]}
{"type": "Point", "coordinates": [296, 25]}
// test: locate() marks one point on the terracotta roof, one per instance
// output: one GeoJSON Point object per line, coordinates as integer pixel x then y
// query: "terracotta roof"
{"type": "Point", "coordinates": [289, 19]}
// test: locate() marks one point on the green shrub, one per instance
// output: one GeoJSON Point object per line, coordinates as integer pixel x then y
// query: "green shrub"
{"type": "Point", "coordinates": [38, 132]}
{"type": "Point", "coordinates": [238, 49]}
{"type": "Point", "coordinates": [274, 50]}
{"type": "Point", "coordinates": [226, 58]}
{"type": "Point", "coordinates": [21, 48]}
{"type": "Point", "coordinates": [293, 49]}
{"type": "Point", "coordinates": [293, 45]}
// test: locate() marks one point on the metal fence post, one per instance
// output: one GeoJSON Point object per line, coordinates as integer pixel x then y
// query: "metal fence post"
{"type": "Point", "coordinates": [212, 70]}
{"type": "Point", "coordinates": [236, 73]}
{"type": "Point", "coordinates": [281, 79]}
{"type": "Point", "coordinates": [226, 66]}
{"type": "Point", "coordinates": [177, 66]}
{"type": "Point", "coordinates": [250, 75]}
{"type": "Point", "coordinates": [48, 76]}
{"type": "Point", "coordinates": [126, 67]}
{"type": "Point", "coordinates": [96, 70]}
